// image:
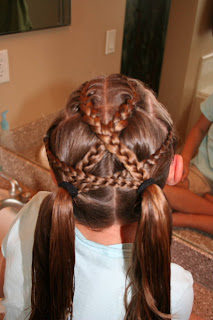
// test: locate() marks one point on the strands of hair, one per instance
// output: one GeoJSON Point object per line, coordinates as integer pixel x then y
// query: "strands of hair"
{"type": "Point", "coordinates": [112, 135]}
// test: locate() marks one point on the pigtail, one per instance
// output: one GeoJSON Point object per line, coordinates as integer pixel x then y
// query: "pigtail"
{"type": "Point", "coordinates": [40, 293]}
{"type": "Point", "coordinates": [54, 259]}
{"type": "Point", "coordinates": [150, 269]}
{"type": "Point", "coordinates": [62, 256]}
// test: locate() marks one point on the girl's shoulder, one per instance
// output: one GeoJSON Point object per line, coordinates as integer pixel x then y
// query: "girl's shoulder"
{"type": "Point", "coordinates": [179, 274]}
{"type": "Point", "coordinates": [182, 292]}
{"type": "Point", "coordinates": [23, 225]}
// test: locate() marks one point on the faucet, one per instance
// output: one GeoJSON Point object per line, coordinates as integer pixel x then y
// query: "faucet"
{"type": "Point", "coordinates": [17, 198]}
{"type": "Point", "coordinates": [15, 190]}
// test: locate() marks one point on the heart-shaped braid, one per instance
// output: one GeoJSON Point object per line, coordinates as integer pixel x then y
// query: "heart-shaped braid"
{"type": "Point", "coordinates": [109, 133]}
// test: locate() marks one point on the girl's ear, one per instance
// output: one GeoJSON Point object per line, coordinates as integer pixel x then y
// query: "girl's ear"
{"type": "Point", "coordinates": [175, 171]}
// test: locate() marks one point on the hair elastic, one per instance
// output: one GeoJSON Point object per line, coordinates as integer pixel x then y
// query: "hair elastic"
{"type": "Point", "coordinates": [69, 187]}
{"type": "Point", "coordinates": [144, 185]}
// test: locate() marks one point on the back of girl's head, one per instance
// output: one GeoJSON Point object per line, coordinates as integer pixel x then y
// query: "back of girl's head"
{"type": "Point", "coordinates": [112, 135]}
{"type": "Point", "coordinates": [104, 139]}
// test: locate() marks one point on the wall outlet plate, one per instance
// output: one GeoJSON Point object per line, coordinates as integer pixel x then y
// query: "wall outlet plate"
{"type": "Point", "coordinates": [4, 67]}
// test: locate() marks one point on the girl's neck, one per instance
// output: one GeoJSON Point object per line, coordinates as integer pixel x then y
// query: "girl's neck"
{"type": "Point", "coordinates": [109, 236]}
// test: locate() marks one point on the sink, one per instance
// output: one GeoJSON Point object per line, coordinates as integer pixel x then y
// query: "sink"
{"type": "Point", "coordinates": [7, 214]}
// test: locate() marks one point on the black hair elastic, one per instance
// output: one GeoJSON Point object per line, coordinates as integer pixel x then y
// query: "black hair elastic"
{"type": "Point", "coordinates": [144, 185]}
{"type": "Point", "coordinates": [69, 187]}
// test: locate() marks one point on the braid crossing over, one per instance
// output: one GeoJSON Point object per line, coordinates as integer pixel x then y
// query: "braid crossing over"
{"type": "Point", "coordinates": [135, 171]}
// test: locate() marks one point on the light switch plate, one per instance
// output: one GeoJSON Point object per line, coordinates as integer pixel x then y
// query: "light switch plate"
{"type": "Point", "coordinates": [110, 41]}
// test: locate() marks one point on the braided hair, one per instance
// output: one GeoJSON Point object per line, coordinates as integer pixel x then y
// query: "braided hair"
{"type": "Point", "coordinates": [112, 136]}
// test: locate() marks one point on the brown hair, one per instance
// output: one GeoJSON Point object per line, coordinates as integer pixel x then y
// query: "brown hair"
{"type": "Point", "coordinates": [112, 136]}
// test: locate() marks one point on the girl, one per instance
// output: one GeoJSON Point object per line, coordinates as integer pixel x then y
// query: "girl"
{"type": "Point", "coordinates": [100, 244]}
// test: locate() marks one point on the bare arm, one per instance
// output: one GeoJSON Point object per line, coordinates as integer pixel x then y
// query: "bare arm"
{"type": "Point", "coordinates": [193, 142]}
{"type": "Point", "coordinates": [2, 270]}
{"type": "Point", "coordinates": [195, 221]}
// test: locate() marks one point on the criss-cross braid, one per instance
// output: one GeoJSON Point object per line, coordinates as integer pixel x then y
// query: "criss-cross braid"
{"type": "Point", "coordinates": [92, 157]}
{"type": "Point", "coordinates": [135, 172]}
{"type": "Point", "coordinates": [84, 181]}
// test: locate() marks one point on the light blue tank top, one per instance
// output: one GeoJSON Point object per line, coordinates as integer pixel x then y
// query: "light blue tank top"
{"type": "Point", "coordinates": [100, 282]}
{"type": "Point", "coordinates": [100, 274]}
{"type": "Point", "coordinates": [204, 158]}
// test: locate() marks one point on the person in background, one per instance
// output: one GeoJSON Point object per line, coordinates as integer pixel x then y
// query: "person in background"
{"type": "Point", "coordinates": [192, 198]}
{"type": "Point", "coordinates": [99, 246]}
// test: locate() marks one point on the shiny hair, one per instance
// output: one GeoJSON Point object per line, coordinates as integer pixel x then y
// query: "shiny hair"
{"type": "Point", "coordinates": [112, 135]}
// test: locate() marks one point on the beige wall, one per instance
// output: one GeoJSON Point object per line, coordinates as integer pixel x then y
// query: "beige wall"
{"type": "Point", "coordinates": [45, 66]}
{"type": "Point", "coordinates": [189, 37]}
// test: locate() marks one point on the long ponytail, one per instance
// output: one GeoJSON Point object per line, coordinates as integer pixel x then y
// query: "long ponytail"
{"type": "Point", "coordinates": [149, 274]}
{"type": "Point", "coordinates": [54, 259]}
